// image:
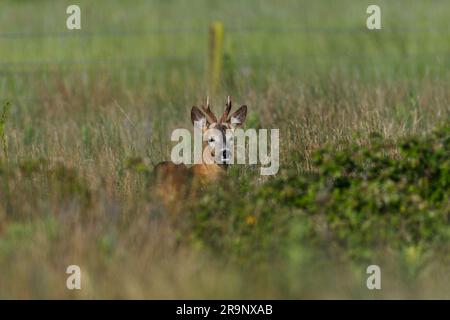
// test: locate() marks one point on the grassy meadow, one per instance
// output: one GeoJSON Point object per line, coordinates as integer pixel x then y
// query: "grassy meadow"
{"type": "Point", "coordinates": [364, 150]}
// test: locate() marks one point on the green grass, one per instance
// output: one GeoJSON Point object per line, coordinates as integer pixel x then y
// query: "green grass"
{"type": "Point", "coordinates": [364, 150]}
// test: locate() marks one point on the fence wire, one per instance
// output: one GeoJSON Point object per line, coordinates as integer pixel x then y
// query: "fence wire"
{"type": "Point", "coordinates": [50, 66]}
{"type": "Point", "coordinates": [231, 29]}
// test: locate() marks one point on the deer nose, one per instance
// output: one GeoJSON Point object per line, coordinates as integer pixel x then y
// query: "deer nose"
{"type": "Point", "coordinates": [226, 154]}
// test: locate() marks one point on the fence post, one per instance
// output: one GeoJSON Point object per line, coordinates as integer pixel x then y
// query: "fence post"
{"type": "Point", "coordinates": [215, 56]}
{"type": "Point", "coordinates": [3, 119]}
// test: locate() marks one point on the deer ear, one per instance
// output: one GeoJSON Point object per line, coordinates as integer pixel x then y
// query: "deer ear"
{"type": "Point", "coordinates": [238, 117]}
{"type": "Point", "coordinates": [198, 118]}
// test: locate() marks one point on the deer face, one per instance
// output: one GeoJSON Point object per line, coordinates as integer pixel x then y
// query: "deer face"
{"type": "Point", "coordinates": [218, 135]}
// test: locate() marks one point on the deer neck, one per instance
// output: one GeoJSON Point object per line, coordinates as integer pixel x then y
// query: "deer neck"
{"type": "Point", "coordinates": [209, 169]}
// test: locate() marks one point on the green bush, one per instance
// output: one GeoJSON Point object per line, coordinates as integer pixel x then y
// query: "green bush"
{"type": "Point", "coordinates": [386, 195]}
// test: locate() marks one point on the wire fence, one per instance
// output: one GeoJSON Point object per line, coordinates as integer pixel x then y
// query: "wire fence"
{"type": "Point", "coordinates": [231, 30]}
{"type": "Point", "coordinates": [30, 67]}
{"type": "Point", "coordinates": [131, 68]}
{"type": "Point", "coordinates": [257, 59]}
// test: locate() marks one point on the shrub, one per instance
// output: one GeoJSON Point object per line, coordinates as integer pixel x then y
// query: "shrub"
{"type": "Point", "coordinates": [358, 199]}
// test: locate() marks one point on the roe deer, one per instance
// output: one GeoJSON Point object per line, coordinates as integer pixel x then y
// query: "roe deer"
{"type": "Point", "coordinates": [176, 180]}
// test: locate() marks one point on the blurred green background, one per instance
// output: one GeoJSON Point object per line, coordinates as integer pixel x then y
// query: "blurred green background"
{"type": "Point", "coordinates": [362, 180]}
{"type": "Point", "coordinates": [301, 38]}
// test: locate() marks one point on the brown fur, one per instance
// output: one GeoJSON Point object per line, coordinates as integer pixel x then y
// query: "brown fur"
{"type": "Point", "coordinates": [176, 182]}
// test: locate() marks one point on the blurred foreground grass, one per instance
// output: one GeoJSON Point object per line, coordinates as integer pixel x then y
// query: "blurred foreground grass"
{"type": "Point", "coordinates": [363, 179]}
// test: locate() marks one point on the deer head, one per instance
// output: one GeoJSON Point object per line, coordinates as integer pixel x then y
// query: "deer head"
{"type": "Point", "coordinates": [218, 134]}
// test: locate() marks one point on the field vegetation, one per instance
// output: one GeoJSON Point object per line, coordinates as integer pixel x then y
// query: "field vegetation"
{"type": "Point", "coordinates": [364, 150]}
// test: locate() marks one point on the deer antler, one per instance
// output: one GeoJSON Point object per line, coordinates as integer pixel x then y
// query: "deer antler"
{"type": "Point", "coordinates": [208, 111]}
{"type": "Point", "coordinates": [224, 117]}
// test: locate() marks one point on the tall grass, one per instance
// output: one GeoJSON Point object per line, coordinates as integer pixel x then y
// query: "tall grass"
{"type": "Point", "coordinates": [92, 111]}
